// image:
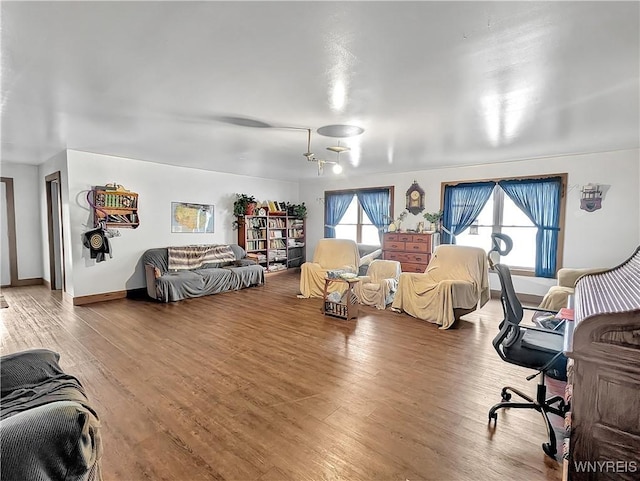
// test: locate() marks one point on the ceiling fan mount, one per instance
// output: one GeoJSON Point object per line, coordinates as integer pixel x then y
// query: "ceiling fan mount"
{"type": "Point", "coordinates": [338, 149]}
{"type": "Point", "coordinates": [336, 131]}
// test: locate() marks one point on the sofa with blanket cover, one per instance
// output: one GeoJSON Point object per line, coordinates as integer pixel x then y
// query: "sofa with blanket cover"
{"type": "Point", "coordinates": [176, 273]}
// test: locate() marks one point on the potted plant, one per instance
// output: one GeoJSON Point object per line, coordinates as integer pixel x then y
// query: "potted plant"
{"type": "Point", "coordinates": [297, 210]}
{"type": "Point", "coordinates": [244, 205]}
{"type": "Point", "coordinates": [401, 217]}
{"type": "Point", "coordinates": [434, 219]}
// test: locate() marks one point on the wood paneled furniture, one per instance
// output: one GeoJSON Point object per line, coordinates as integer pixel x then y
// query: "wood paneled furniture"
{"type": "Point", "coordinates": [277, 242]}
{"type": "Point", "coordinates": [603, 345]}
{"type": "Point", "coordinates": [413, 251]}
{"type": "Point", "coordinates": [115, 208]}
{"type": "Point", "coordinates": [347, 308]}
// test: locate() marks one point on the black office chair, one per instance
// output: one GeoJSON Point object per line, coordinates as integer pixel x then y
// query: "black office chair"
{"type": "Point", "coordinates": [533, 348]}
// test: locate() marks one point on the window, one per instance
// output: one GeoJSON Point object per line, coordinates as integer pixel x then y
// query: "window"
{"type": "Point", "coordinates": [358, 214]}
{"type": "Point", "coordinates": [510, 206]}
{"type": "Point", "coordinates": [501, 214]}
{"type": "Point", "coordinates": [356, 225]}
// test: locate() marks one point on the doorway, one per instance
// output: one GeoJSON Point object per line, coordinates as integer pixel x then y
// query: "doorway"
{"type": "Point", "coordinates": [54, 227]}
{"type": "Point", "coordinates": [8, 253]}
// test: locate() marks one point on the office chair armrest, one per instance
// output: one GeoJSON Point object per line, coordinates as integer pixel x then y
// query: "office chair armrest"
{"type": "Point", "coordinates": [550, 311]}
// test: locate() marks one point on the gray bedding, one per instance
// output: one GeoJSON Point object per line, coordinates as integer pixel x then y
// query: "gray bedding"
{"type": "Point", "coordinates": [48, 428]}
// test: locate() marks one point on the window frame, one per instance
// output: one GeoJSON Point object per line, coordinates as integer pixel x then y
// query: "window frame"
{"type": "Point", "coordinates": [500, 205]}
{"type": "Point", "coordinates": [360, 214]}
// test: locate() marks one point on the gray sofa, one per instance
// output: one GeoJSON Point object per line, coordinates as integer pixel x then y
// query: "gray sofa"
{"type": "Point", "coordinates": [173, 285]}
{"type": "Point", "coordinates": [368, 253]}
{"type": "Point", "coordinates": [49, 429]}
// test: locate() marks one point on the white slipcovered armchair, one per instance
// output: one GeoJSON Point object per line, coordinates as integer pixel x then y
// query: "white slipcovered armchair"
{"type": "Point", "coordinates": [330, 254]}
{"type": "Point", "coordinates": [455, 283]}
{"type": "Point", "coordinates": [379, 286]}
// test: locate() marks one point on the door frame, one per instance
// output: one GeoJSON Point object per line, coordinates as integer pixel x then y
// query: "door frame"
{"type": "Point", "coordinates": [49, 179]}
{"type": "Point", "coordinates": [11, 230]}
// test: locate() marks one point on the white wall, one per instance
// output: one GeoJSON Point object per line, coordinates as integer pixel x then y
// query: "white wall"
{"type": "Point", "coordinates": [157, 185]}
{"type": "Point", "coordinates": [602, 238]}
{"type": "Point", "coordinates": [26, 201]}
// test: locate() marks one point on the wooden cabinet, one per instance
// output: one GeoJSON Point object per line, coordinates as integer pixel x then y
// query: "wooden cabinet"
{"type": "Point", "coordinates": [277, 242]}
{"type": "Point", "coordinates": [603, 347]}
{"type": "Point", "coordinates": [413, 251]}
{"type": "Point", "coordinates": [115, 208]}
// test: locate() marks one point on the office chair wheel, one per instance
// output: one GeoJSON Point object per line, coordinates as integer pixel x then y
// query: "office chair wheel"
{"type": "Point", "coordinates": [546, 447]}
{"type": "Point", "coordinates": [506, 395]}
{"type": "Point", "coordinates": [493, 416]}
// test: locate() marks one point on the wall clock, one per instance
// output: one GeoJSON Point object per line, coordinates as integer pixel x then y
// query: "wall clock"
{"type": "Point", "coordinates": [415, 199]}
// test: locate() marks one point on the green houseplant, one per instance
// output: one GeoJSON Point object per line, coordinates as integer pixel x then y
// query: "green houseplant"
{"type": "Point", "coordinates": [242, 203]}
{"type": "Point", "coordinates": [297, 210]}
{"type": "Point", "coordinates": [434, 219]}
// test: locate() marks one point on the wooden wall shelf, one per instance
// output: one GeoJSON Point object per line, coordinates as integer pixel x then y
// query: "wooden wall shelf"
{"type": "Point", "coordinates": [115, 208]}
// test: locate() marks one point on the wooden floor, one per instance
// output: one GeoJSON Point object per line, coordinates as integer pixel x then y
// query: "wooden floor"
{"type": "Point", "coordinates": [259, 385]}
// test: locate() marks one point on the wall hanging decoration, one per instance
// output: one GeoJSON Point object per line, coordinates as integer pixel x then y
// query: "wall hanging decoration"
{"type": "Point", "coordinates": [114, 206]}
{"type": "Point", "coordinates": [192, 218]}
{"type": "Point", "coordinates": [415, 198]}
{"type": "Point", "coordinates": [97, 243]}
{"type": "Point", "coordinates": [591, 198]}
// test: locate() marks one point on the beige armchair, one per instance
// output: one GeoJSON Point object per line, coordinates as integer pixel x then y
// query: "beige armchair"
{"type": "Point", "coordinates": [379, 286]}
{"type": "Point", "coordinates": [557, 296]}
{"type": "Point", "coordinates": [455, 283]}
{"type": "Point", "coordinates": [330, 254]}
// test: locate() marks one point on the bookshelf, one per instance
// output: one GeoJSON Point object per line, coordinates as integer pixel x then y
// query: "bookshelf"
{"type": "Point", "coordinates": [115, 208]}
{"type": "Point", "coordinates": [277, 242]}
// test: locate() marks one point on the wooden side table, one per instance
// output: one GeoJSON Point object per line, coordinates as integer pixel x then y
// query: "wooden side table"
{"type": "Point", "coordinates": [347, 308]}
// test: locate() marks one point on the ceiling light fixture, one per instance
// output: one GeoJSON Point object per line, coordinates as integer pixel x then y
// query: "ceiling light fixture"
{"type": "Point", "coordinates": [338, 149]}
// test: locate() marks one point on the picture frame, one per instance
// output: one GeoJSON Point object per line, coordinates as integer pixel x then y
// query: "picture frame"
{"type": "Point", "coordinates": [189, 217]}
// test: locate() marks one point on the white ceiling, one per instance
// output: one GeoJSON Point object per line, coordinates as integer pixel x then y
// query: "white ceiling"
{"type": "Point", "coordinates": [432, 83]}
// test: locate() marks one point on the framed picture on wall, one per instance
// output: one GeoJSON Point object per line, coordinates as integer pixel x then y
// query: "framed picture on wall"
{"type": "Point", "coordinates": [192, 218]}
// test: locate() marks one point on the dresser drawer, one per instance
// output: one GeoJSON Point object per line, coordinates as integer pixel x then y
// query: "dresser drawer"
{"type": "Point", "coordinates": [411, 257]}
{"type": "Point", "coordinates": [398, 237]}
{"type": "Point", "coordinates": [394, 256]}
{"type": "Point", "coordinates": [411, 267]}
{"type": "Point", "coordinates": [394, 245]}
{"type": "Point", "coordinates": [416, 247]}
{"type": "Point", "coordinates": [423, 238]}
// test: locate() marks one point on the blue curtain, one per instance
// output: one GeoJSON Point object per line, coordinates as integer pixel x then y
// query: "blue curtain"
{"type": "Point", "coordinates": [335, 207]}
{"type": "Point", "coordinates": [376, 204]}
{"type": "Point", "coordinates": [539, 199]}
{"type": "Point", "coordinates": [462, 204]}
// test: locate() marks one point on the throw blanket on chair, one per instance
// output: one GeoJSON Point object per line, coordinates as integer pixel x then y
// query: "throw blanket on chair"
{"type": "Point", "coordinates": [195, 256]}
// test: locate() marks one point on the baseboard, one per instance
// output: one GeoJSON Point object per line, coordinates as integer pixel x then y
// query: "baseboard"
{"type": "Point", "coordinates": [140, 293]}
{"type": "Point", "coordinates": [105, 296]}
{"type": "Point", "coordinates": [46, 283]}
{"type": "Point", "coordinates": [35, 281]}
{"type": "Point", "coordinates": [528, 299]}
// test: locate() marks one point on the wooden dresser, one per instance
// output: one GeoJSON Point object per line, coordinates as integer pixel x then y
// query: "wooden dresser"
{"type": "Point", "coordinates": [412, 250]}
